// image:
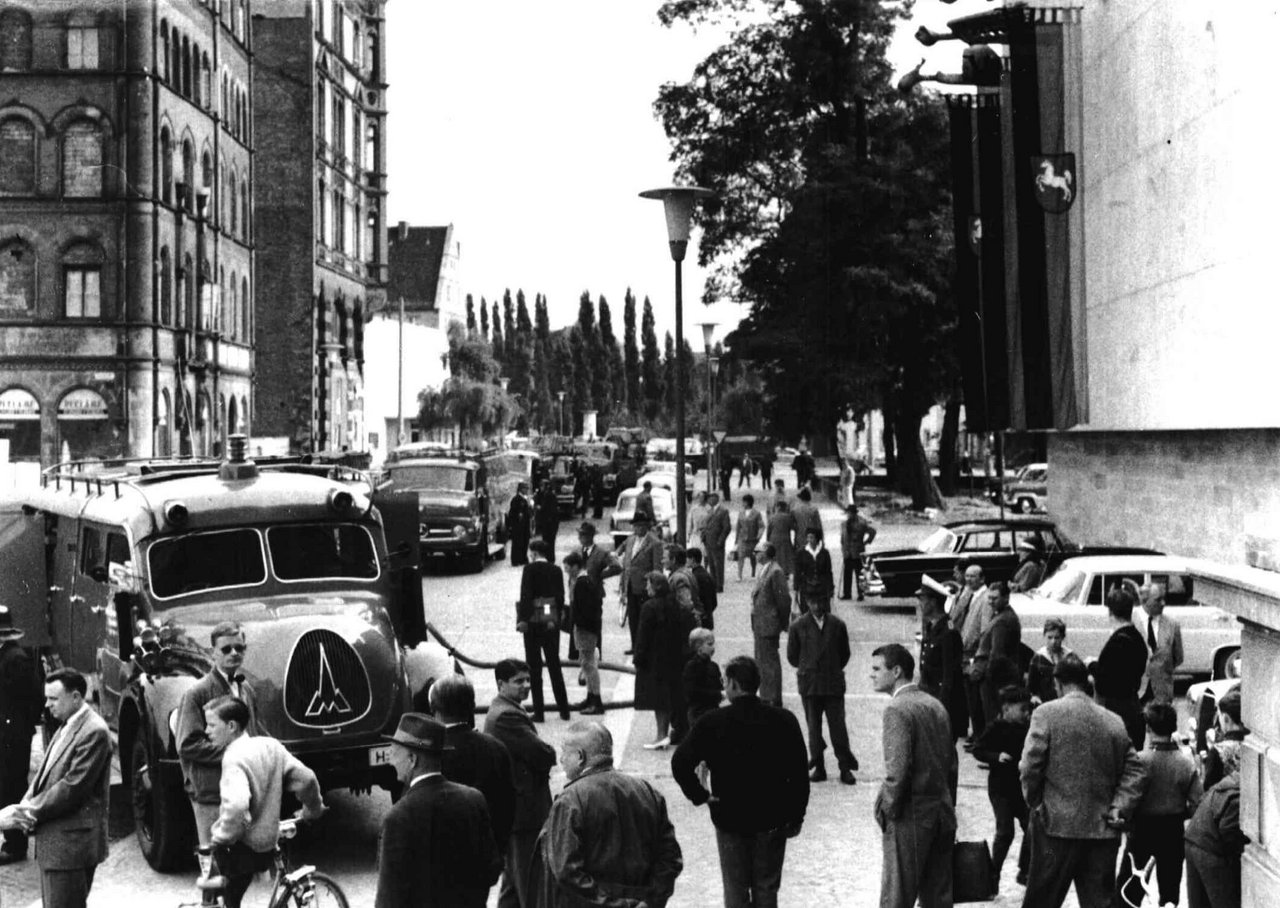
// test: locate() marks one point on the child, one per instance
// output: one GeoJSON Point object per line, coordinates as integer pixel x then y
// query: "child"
{"type": "Point", "coordinates": [1214, 841]}
{"type": "Point", "coordinates": [1231, 734]}
{"type": "Point", "coordinates": [702, 685]}
{"type": "Point", "coordinates": [1001, 745]}
{"type": "Point", "coordinates": [1172, 795]}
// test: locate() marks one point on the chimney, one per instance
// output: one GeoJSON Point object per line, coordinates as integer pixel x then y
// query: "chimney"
{"type": "Point", "coordinates": [403, 231]}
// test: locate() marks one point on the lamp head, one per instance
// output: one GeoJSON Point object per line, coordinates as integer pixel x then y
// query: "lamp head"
{"type": "Point", "coordinates": [708, 329]}
{"type": "Point", "coordinates": [677, 205]}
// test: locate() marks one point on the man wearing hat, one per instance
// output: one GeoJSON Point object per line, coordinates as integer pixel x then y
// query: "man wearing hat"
{"type": "Point", "coordinates": [21, 699]}
{"type": "Point", "coordinates": [940, 655]}
{"type": "Point", "coordinates": [641, 554]}
{"type": "Point", "coordinates": [436, 849]}
{"type": "Point", "coordinates": [1030, 565]}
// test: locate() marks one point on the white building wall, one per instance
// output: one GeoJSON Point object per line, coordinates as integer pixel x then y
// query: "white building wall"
{"type": "Point", "coordinates": [424, 367]}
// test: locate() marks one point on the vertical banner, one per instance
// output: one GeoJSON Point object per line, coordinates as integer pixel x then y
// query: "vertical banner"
{"type": "Point", "coordinates": [968, 244]}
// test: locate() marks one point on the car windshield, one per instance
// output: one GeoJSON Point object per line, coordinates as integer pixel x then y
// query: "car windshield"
{"type": "Point", "coordinates": [1063, 586]}
{"type": "Point", "coordinates": [939, 542]}
{"type": "Point", "coordinates": [206, 561]}
{"type": "Point", "coordinates": [446, 477]}
{"type": "Point", "coordinates": [317, 550]}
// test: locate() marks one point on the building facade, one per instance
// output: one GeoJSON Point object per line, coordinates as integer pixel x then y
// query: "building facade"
{"type": "Point", "coordinates": [424, 271]}
{"type": "Point", "coordinates": [320, 93]}
{"type": "Point", "coordinates": [126, 259]}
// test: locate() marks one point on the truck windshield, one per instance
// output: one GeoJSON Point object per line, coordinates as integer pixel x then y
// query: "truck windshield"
{"type": "Point", "coordinates": [206, 561]}
{"type": "Point", "coordinates": [317, 550]}
{"type": "Point", "coordinates": [412, 477]}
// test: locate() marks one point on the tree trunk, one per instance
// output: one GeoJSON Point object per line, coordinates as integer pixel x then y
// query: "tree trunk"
{"type": "Point", "coordinates": [890, 449]}
{"type": "Point", "coordinates": [914, 476]}
{"type": "Point", "coordinates": [948, 465]}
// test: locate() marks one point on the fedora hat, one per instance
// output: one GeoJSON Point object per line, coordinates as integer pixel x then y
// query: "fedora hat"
{"type": "Point", "coordinates": [421, 732]}
{"type": "Point", "coordinates": [7, 630]}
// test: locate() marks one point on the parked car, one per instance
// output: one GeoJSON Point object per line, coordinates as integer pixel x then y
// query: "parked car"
{"type": "Point", "coordinates": [1028, 491]}
{"type": "Point", "coordinates": [1203, 699]}
{"type": "Point", "coordinates": [1077, 591]}
{"type": "Point", "coordinates": [992, 543]}
{"type": "Point", "coordinates": [664, 513]}
{"type": "Point", "coordinates": [666, 479]}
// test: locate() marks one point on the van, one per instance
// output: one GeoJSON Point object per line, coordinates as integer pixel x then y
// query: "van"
{"type": "Point", "coordinates": [121, 570]}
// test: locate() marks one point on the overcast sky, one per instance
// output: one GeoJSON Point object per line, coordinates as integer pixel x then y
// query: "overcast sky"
{"type": "Point", "coordinates": [528, 125]}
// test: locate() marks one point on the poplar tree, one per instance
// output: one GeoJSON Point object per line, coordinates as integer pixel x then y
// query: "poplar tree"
{"type": "Point", "coordinates": [484, 320]}
{"type": "Point", "coordinates": [471, 316]}
{"type": "Point", "coordinates": [651, 365]}
{"type": "Point", "coordinates": [612, 358]}
{"type": "Point", "coordinates": [630, 353]}
{"type": "Point", "coordinates": [495, 338]}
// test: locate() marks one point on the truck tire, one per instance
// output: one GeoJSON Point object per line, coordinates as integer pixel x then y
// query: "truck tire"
{"type": "Point", "coordinates": [162, 818]}
{"type": "Point", "coordinates": [1027, 505]}
{"type": "Point", "coordinates": [475, 562]}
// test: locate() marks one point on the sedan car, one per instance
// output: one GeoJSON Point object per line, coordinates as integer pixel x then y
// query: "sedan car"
{"type": "Point", "coordinates": [1076, 593]}
{"type": "Point", "coordinates": [992, 543]}
{"type": "Point", "coordinates": [1028, 492]}
{"type": "Point", "coordinates": [664, 513]}
{"type": "Point", "coordinates": [666, 479]}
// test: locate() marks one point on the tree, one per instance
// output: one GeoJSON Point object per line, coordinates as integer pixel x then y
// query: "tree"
{"type": "Point", "coordinates": [669, 380]}
{"type": "Point", "coordinates": [651, 365]}
{"type": "Point", "coordinates": [470, 397]}
{"type": "Point", "coordinates": [508, 325]}
{"type": "Point", "coordinates": [613, 358]}
{"type": "Point", "coordinates": [471, 315]}
{"type": "Point", "coordinates": [541, 401]}
{"type": "Point", "coordinates": [542, 322]}
{"type": "Point", "coordinates": [831, 214]}
{"type": "Point", "coordinates": [630, 352]}
{"type": "Point", "coordinates": [484, 319]}
{"type": "Point", "coordinates": [495, 338]}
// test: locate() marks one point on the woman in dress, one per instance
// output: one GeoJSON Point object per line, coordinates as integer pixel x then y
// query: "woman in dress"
{"type": "Point", "coordinates": [659, 657]}
{"type": "Point", "coordinates": [781, 534]}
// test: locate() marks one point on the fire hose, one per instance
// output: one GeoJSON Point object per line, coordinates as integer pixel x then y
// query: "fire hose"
{"type": "Point", "coordinates": [456, 653]}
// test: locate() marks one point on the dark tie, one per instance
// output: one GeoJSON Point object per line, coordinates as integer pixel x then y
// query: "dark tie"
{"type": "Point", "coordinates": [1151, 635]}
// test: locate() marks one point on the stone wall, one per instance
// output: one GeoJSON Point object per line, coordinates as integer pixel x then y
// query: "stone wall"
{"type": "Point", "coordinates": [1211, 494]}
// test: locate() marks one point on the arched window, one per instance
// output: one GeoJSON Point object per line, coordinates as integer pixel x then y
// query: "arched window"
{"type": "Point", "coordinates": [17, 278]}
{"type": "Point", "coordinates": [206, 82]}
{"type": "Point", "coordinates": [195, 73]}
{"type": "Point", "coordinates": [234, 189]}
{"type": "Point", "coordinates": [166, 166]}
{"type": "Point", "coordinates": [206, 171]}
{"type": "Point", "coordinates": [175, 75]}
{"type": "Point", "coordinates": [186, 66]}
{"type": "Point", "coordinates": [163, 50]}
{"type": "Point", "coordinates": [164, 426]}
{"type": "Point", "coordinates": [166, 286]}
{"type": "Point", "coordinates": [224, 217]}
{"type": "Point", "coordinates": [17, 156]}
{"type": "Point", "coordinates": [230, 306]}
{"type": "Point", "coordinates": [322, 108]}
{"type": "Point", "coordinates": [244, 207]}
{"type": "Point", "coordinates": [82, 42]}
{"type": "Point", "coordinates": [224, 109]}
{"type": "Point", "coordinates": [187, 319]}
{"type": "Point", "coordinates": [82, 159]}
{"type": "Point", "coordinates": [82, 281]}
{"type": "Point", "coordinates": [188, 175]}
{"type": "Point", "coordinates": [371, 54]}
{"type": "Point", "coordinates": [15, 40]}
{"type": "Point", "coordinates": [245, 328]}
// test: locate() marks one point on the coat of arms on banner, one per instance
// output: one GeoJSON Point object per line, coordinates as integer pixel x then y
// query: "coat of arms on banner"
{"type": "Point", "coordinates": [975, 234]}
{"type": "Point", "coordinates": [1055, 181]}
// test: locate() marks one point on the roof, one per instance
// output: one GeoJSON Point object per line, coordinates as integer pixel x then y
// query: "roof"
{"type": "Point", "coordinates": [1033, 523]}
{"type": "Point", "coordinates": [414, 264]}
{"type": "Point", "coordinates": [1107, 564]}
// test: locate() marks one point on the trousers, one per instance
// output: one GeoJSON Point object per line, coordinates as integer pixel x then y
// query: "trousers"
{"type": "Point", "coordinates": [770, 663]}
{"type": "Point", "coordinates": [917, 859]}
{"type": "Point", "coordinates": [1158, 837]}
{"type": "Point", "coordinates": [66, 888]}
{"type": "Point", "coordinates": [751, 867]}
{"type": "Point", "coordinates": [832, 706]}
{"type": "Point", "coordinates": [1058, 862]}
{"type": "Point", "coordinates": [514, 891]}
{"type": "Point", "coordinates": [537, 645]}
{"type": "Point", "coordinates": [1213, 881]}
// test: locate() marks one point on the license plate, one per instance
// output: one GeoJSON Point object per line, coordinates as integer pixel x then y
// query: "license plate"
{"type": "Point", "coordinates": [380, 756]}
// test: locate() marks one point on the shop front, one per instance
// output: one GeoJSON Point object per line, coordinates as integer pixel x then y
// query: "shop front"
{"type": "Point", "coordinates": [20, 425]}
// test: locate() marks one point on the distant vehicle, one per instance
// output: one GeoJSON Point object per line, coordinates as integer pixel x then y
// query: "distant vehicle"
{"type": "Point", "coordinates": [462, 502]}
{"type": "Point", "coordinates": [666, 479]}
{"type": "Point", "coordinates": [1027, 492]}
{"type": "Point", "coordinates": [664, 514]}
{"type": "Point", "coordinates": [992, 543]}
{"type": "Point", "coordinates": [563, 481]}
{"type": "Point", "coordinates": [1203, 699]}
{"type": "Point", "coordinates": [785, 456]}
{"type": "Point", "coordinates": [1077, 592]}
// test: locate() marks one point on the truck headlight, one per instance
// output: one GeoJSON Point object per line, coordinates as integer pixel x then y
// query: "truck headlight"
{"type": "Point", "coordinates": [459, 530]}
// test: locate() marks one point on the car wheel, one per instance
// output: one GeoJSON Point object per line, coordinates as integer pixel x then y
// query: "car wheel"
{"type": "Point", "coordinates": [1227, 664]}
{"type": "Point", "coordinates": [161, 813]}
{"type": "Point", "coordinates": [1027, 505]}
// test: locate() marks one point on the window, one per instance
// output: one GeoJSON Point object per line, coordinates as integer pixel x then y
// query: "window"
{"type": "Point", "coordinates": [82, 159]}
{"type": "Point", "coordinates": [188, 175]}
{"type": "Point", "coordinates": [357, 138]}
{"type": "Point", "coordinates": [166, 286]}
{"type": "Point", "coordinates": [335, 26]}
{"type": "Point", "coordinates": [17, 156]}
{"type": "Point", "coordinates": [204, 561]}
{"type": "Point", "coordinates": [339, 122]}
{"type": "Point", "coordinates": [166, 166]}
{"type": "Point", "coordinates": [188, 294]}
{"type": "Point", "coordinates": [17, 279]}
{"type": "Point", "coordinates": [244, 309]}
{"type": "Point", "coordinates": [206, 171]}
{"type": "Point", "coordinates": [224, 216]}
{"type": "Point", "coordinates": [224, 109]}
{"type": "Point", "coordinates": [244, 206]}
{"type": "Point", "coordinates": [323, 214]}
{"type": "Point", "coordinates": [315, 551]}
{"type": "Point", "coordinates": [206, 82]}
{"type": "Point", "coordinates": [235, 205]}
{"type": "Point", "coordinates": [83, 298]}
{"type": "Point", "coordinates": [82, 42]}
{"type": "Point", "coordinates": [186, 67]}
{"type": "Point", "coordinates": [229, 304]}
{"type": "Point", "coordinates": [321, 108]}
{"type": "Point", "coordinates": [339, 220]}
{"type": "Point", "coordinates": [163, 50]}
{"type": "Point", "coordinates": [15, 40]}
{"type": "Point", "coordinates": [175, 49]}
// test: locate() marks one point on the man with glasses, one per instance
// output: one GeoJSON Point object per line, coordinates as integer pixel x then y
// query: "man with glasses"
{"type": "Point", "coordinates": [200, 756]}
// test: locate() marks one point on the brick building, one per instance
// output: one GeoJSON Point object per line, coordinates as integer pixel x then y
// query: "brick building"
{"type": "Point", "coordinates": [126, 265]}
{"type": "Point", "coordinates": [320, 92]}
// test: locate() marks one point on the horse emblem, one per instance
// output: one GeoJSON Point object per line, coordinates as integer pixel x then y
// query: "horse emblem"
{"type": "Point", "coordinates": [1055, 181]}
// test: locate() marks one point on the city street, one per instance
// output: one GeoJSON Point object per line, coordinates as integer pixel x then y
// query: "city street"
{"type": "Point", "coordinates": [835, 861]}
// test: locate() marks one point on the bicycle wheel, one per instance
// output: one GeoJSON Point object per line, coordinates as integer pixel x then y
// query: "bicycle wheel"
{"type": "Point", "coordinates": [326, 893]}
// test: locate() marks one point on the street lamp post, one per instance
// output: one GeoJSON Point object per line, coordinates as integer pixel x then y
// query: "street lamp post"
{"type": "Point", "coordinates": [708, 329]}
{"type": "Point", "coordinates": [560, 394]}
{"type": "Point", "coordinates": [713, 369]}
{"type": "Point", "coordinates": [677, 205]}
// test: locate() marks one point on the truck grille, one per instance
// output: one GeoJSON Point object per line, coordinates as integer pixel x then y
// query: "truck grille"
{"type": "Point", "coordinates": [326, 684]}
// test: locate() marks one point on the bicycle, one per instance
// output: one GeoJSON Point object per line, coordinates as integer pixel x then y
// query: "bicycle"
{"type": "Point", "coordinates": [304, 887]}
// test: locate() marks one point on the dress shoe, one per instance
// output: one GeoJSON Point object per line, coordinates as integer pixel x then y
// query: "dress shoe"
{"type": "Point", "coordinates": [12, 857]}
{"type": "Point", "coordinates": [660, 744]}
{"type": "Point", "coordinates": [1021, 879]}
{"type": "Point", "coordinates": [627, 652]}
{"type": "Point", "coordinates": [818, 775]}
{"type": "Point", "coordinates": [566, 715]}
{"type": "Point", "coordinates": [593, 709]}
{"type": "Point", "coordinates": [847, 777]}
{"type": "Point", "coordinates": [538, 717]}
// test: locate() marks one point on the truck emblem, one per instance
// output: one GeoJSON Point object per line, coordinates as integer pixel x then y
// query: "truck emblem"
{"type": "Point", "coordinates": [328, 698]}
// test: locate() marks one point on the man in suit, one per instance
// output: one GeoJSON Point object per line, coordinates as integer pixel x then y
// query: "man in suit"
{"type": "Point", "coordinates": [770, 611]}
{"type": "Point", "coordinates": [813, 580]}
{"type": "Point", "coordinates": [756, 757]}
{"type": "Point", "coordinates": [21, 699]}
{"type": "Point", "coordinates": [65, 806]}
{"type": "Point", "coordinates": [715, 536]}
{"type": "Point", "coordinates": [1164, 646]}
{"type": "Point", "coordinates": [531, 762]}
{"type": "Point", "coordinates": [641, 553]}
{"type": "Point", "coordinates": [971, 615]}
{"type": "Point", "coordinates": [818, 647]}
{"type": "Point", "coordinates": [995, 664]}
{"type": "Point", "coordinates": [914, 808]}
{"type": "Point", "coordinates": [519, 524]}
{"type": "Point", "coordinates": [200, 758]}
{"type": "Point", "coordinates": [806, 514]}
{"type": "Point", "coordinates": [706, 587]}
{"type": "Point", "coordinates": [471, 757]}
{"type": "Point", "coordinates": [608, 839]}
{"type": "Point", "coordinates": [597, 564]}
{"type": "Point", "coordinates": [436, 849]}
{"type": "Point", "coordinates": [1082, 780]}
{"type": "Point", "coordinates": [940, 672]}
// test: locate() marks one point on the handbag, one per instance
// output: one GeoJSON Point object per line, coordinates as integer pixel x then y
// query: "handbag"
{"type": "Point", "coordinates": [546, 614]}
{"type": "Point", "coordinates": [972, 879]}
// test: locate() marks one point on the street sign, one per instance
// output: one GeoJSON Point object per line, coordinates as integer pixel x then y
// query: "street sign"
{"type": "Point", "coordinates": [719, 436]}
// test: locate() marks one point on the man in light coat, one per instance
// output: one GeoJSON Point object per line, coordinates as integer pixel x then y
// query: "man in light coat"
{"type": "Point", "coordinates": [716, 534]}
{"type": "Point", "coordinates": [1164, 646]}
{"type": "Point", "coordinates": [65, 806]}
{"type": "Point", "coordinates": [1082, 780]}
{"type": "Point", "coordinates": [770, 609]}
{"type": "Point", "coordinates": [914, 809]}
